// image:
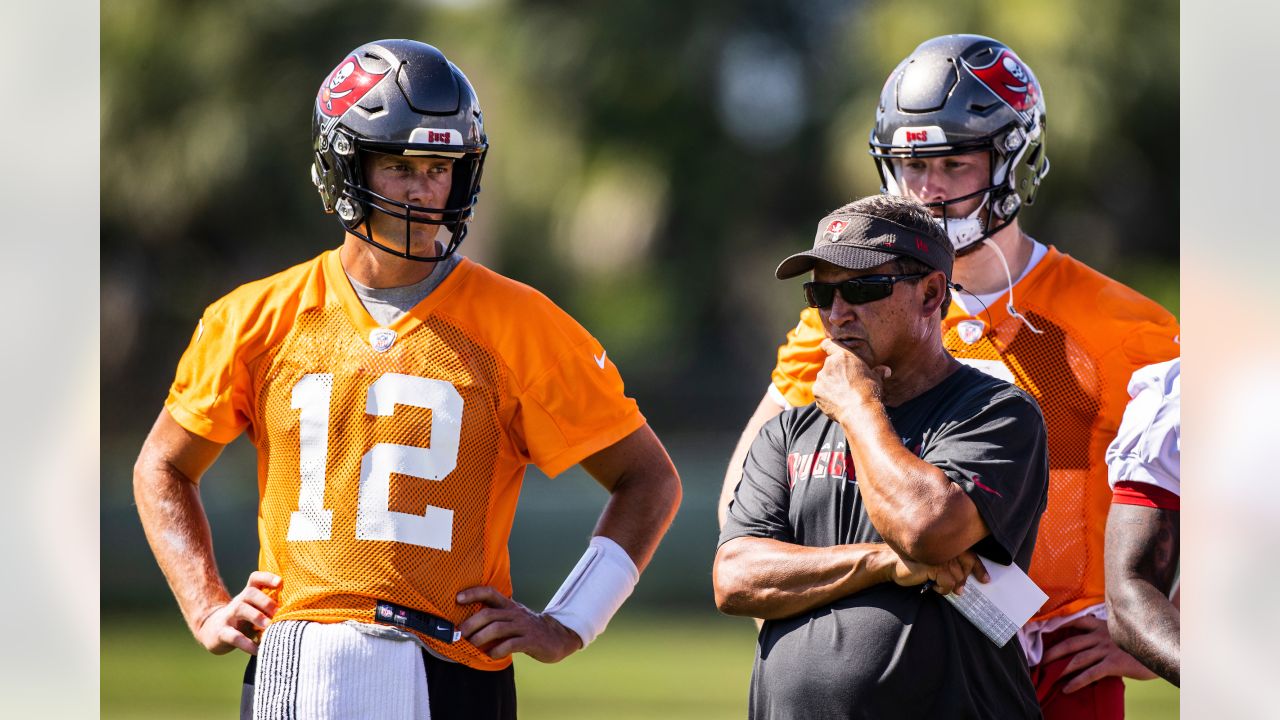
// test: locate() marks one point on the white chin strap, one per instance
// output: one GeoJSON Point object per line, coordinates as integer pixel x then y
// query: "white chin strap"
{"type": "Point", "coordinates": [963, 231]}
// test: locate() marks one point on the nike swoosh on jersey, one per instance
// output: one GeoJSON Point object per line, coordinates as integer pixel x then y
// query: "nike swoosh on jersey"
{"type": "Point", "coordinates": [600, 358]}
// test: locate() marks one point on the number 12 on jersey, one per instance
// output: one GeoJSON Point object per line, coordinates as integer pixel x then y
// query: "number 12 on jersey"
{"type": "Point", "coordinates": [375, 520]}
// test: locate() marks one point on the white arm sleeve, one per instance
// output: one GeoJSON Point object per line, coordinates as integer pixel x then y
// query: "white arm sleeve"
{"type": "Point", "coordinates": [1148, 446]}
{"type": "Point", "coordinates": [601, 581]}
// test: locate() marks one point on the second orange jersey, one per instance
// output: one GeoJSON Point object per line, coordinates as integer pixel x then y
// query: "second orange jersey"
{"type": "Point", "coordinates": [390, 458]}
{"type": "Point", "coordinates": [1095, 333]}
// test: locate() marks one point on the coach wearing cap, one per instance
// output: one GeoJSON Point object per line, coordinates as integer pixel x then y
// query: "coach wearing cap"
{"type": "Point", "coordinates": [856, 514]}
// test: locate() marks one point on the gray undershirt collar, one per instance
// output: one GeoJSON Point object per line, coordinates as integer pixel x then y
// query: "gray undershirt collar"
{"type": "Point", "coordinates": [386, 305]}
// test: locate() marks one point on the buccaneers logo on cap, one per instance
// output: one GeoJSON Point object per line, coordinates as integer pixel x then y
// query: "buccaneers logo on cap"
{"type": "Point", "coordinates": [1010, 80]}
{"type": "Point", "coordinates": [345, 86]}
{"type": "Point", "coordinates": [831, 233]}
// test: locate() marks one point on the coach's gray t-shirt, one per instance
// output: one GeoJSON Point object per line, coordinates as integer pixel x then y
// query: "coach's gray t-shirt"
{"type": "Point", "coordinates": [891, 651]}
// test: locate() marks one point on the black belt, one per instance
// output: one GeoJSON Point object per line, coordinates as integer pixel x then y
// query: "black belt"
{"type": "Point", "coordinates": [425, 623]}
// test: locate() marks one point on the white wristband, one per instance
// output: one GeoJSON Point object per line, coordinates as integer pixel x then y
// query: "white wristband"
{"type": "Point", "coordinates": [601, 581]}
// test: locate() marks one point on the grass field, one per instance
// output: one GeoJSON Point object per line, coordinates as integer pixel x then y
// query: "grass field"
{"type": "Point", "coordinates": [645, 666]}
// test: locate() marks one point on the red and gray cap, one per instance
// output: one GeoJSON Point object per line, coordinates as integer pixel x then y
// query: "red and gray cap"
{"type": "Point", "coordinates": [857, 241]}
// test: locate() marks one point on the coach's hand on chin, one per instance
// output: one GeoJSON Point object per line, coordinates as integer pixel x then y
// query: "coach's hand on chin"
{"type": "Point", "coordinates": [846, 381]}
{"type": "Point", "coordinates": [504, 626]}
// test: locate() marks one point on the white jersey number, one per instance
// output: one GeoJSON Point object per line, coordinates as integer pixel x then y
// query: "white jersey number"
{"type": "Point", "coordinates": [374, 518]}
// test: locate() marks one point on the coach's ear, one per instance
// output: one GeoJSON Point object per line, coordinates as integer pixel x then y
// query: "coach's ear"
{"type": "Point", "coordinates": [935, 292]}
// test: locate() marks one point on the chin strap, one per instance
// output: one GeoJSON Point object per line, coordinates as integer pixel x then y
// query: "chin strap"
{"type": "Point", "coordinates": [964, 231]}
{"type": "Point", "coordinates": [1009, 276]}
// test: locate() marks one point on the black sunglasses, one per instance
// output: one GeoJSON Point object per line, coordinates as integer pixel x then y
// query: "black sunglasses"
{"type": "Point", "coordinates": [855, 291]}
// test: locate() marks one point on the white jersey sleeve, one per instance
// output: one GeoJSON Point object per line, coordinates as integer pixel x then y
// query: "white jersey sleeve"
{"type": "Point", "coordinates": [1148, 446]}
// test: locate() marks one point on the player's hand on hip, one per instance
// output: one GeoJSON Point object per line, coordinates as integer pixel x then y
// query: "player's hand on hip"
{"type": "Point", "coordinates": [504, 626]}
{"type": "Point", "coordinates": [1095, 655]}
{"type": "Point", "coordinates": [240, 622]}
{"type": "Point", "coordinates": [846, 380]}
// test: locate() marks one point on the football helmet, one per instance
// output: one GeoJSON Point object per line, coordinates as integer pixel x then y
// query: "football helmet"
{"type": "Point", "coordinates": [398, 97]}
{"type": "Point", "coordinates": [959, 94]}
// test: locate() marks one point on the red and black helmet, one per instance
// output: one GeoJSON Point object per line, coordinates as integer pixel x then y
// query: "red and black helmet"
{"type": "Point", "coordinates": [959, 94]}
{"type": "Point", "coordinates": [399, 97]}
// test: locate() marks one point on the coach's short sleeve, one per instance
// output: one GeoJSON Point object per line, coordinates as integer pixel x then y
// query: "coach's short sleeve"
{"type": "Point", "coordinates": [1000, 457]}
{"type": "Point", "coordinates": [210, 395]}
{"type": "Point", "coordinates": [575, 405]}
{"type": "Point", "coordinates": [761, 503]}
{"type": "Point", "coordinates": [799, 360]}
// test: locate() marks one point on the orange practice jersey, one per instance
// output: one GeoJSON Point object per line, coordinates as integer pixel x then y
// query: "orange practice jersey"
{"type": "Point", "coordinates": [390, 459]}
{"type": "Point", "coordinates": [1097, 332]}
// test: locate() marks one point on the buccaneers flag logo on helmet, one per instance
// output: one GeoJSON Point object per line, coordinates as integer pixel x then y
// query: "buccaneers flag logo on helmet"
{"type": "Point", "coordinates": [1010, 80]}
{"type": "Point", "coordinates": [345, 86]}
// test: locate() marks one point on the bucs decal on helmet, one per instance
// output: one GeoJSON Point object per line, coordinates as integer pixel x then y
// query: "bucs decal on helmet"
{"type": "Point", "coordinates": [345, 86]}
{"type": "Point", "coordinates": [1010, 80]}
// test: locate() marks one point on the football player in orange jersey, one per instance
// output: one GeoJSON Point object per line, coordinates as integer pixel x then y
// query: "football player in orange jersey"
{"type": "Point", "coordinates": [960, 127]}
{"type": "Point", "coordinates": [395, 392]}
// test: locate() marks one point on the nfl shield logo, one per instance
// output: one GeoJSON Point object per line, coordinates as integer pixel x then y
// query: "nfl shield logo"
{"type": "Point", "coordinates": [970, 330]}
{"type": "Point", "coordinates": [382, 338]}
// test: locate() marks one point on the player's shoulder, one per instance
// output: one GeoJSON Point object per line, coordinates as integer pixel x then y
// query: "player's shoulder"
{"type": "Point", "coordinates": [270, 293]}
{"type": "Point", "coordinates": [1107, 318]}
{"type": "Point", "coordinates": [487, 287]}
{"type": "Point", "coordinates": [1072, 284]}
{"type": "Point", "coordinates": [518, 322]}
{"type": "Point", "coordinates": [506, 305]}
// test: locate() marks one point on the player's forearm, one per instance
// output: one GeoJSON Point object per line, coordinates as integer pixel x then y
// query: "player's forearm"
{"type": "Point", "coordinates": [1144, 623]}
{"type": "Point", "coordinates": [640, 509]}
{"type": "Point", "coordinates": [1141, 561]}
{"type": "Point", "coordinates": [178, 532]}
{"type": "Point", "coordinates": [770, 579]}
{"type": "Point", "coordinates": [913, 504]}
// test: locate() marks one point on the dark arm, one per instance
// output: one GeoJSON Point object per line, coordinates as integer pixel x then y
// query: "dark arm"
{"type": "Point", "coordinates": [1141, 562]}
{"type": "Point", "coordinates": [770, 579]}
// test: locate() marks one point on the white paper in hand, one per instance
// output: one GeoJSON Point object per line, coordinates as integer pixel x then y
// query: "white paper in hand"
{"type": "Point", "coordinates": [999, 607]}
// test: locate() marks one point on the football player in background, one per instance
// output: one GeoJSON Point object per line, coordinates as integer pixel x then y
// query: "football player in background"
{"type": "Point", "coordinates": [961, 127]}
{"type": "Point", "coordinates": [1144, 466]}
{"type": "Point", "coordinates": [395, 392]}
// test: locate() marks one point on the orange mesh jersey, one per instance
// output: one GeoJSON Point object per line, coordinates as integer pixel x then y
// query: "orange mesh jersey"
{"type": "Point", "coordinates": [1096, 333]}
{"type": "Point", "coordinates": [390, 459]}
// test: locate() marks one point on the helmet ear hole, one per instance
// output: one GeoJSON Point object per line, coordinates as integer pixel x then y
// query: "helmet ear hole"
{"type": "Point", "coordinates": [1033, 161]}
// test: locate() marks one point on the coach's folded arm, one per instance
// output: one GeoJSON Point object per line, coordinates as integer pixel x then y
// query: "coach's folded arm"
{"type": "Point", "coordinates": [772, 579]}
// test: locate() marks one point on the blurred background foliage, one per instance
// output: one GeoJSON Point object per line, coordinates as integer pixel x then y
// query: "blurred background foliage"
{"type": "Point", "coordinates": [650, 164]}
